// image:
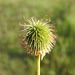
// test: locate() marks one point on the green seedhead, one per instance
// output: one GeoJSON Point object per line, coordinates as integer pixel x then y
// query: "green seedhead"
{"type": "Point", "coordinates": [37, 37]}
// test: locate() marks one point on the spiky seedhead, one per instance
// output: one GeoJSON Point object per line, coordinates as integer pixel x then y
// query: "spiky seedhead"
{"type": "Point", "coordinates": [37, 36]}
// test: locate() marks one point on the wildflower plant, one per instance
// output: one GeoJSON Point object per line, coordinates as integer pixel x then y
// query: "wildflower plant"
{"type": "Point", "coordinates": [37, 38]}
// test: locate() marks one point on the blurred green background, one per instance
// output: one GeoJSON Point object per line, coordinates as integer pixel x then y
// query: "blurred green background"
{"type": "Point", "coordinates": [13, 59]}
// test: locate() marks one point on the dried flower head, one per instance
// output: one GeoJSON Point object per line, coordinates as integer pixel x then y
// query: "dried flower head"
{"type": "Point", "coordinates": [37, 37]}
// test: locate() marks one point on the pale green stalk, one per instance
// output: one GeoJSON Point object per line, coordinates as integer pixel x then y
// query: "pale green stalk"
{"type": "Point", "coordinates": [38, 64]}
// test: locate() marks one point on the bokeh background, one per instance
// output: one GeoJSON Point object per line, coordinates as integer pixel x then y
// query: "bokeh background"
{"type": "Point", "coordinates": [13, 59]}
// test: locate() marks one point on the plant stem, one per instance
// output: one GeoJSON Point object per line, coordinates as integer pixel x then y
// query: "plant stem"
{"type": "Point", "coordinates": [38, 64]}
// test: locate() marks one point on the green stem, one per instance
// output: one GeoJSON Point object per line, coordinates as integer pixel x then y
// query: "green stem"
{"type": "Point", "coordinates": [38, 64]}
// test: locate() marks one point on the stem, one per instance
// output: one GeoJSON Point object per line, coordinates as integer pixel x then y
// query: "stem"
{"type": "Point", "coordinates": [38, 64]}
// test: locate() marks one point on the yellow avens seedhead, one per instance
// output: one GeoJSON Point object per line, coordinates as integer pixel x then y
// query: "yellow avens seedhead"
{"type": "Point", "coordinates": [37, 36]}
